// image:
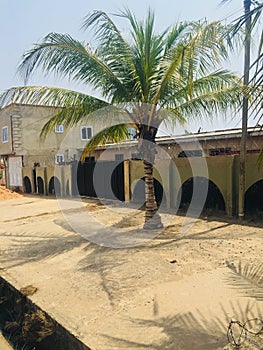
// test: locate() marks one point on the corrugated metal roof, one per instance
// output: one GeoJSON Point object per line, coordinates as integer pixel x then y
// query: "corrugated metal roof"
{"type": "Point", "coordinates": [217, 134]}
{"type": "Point", "coordinates": [209, 135]}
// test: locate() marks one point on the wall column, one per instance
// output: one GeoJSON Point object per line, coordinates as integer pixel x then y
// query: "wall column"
{"type": "Point", "coordinates": [126, 170]}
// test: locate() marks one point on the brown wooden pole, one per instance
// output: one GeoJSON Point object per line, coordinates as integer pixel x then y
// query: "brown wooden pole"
{"type": "Point", "coordinates": [243, 151]}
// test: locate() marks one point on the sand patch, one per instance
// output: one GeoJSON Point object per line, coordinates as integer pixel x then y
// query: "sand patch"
{"type": "Point", "coordinates": [6, 194]}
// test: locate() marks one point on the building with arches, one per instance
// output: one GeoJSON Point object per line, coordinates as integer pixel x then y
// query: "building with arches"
{"type": "Point", "coordinates": [51, 168]}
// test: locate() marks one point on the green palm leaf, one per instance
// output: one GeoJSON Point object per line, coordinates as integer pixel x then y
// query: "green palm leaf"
{"type": "Point", "coordinates": [50, 96]}
{"type": "Point", "coordinates": [61, 54]}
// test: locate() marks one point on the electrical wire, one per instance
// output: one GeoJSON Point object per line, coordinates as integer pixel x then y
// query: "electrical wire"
{"type": "Point", "coordinates": [237, 331]}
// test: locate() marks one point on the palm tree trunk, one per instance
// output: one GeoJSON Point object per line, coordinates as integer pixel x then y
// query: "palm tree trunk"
{"type": "Point", "coordinates": [151, 205]}
{"type": "Point", "coordinates": [243, 151]}
{"type": "Point", "coordinates": [148, 150]}
{"type": "Point", "coordinates": [152, 218]}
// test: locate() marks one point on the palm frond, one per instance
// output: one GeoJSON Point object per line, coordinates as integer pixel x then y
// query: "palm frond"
{"type": "Point", "coordinates": [61, 54]}
{"type": "Point", "coordinates": [213, 93]}
{"type": "Point", "coordinates": [213, 102]}
{"type": "Point", "coordinates": [248, 278]}
{"type": "Point", "coordinates": [193, 57]}
{"type": "Point", "coordinates": [113, 48]}
{"type": "Point", "coordinates": [175, 35]}
{"type": "Point", "coordinates": [147, 50]}
{"type": "Point", "coordinates": [49, 96]}
{"type": "Point", "coordinates": [254, 13]}
{"type": "Point", "coordinates": [174, 63]}
{"type": "Point", "coordinates": [208, 42]}
{"type": "Point", "coordinates": [112, 134]}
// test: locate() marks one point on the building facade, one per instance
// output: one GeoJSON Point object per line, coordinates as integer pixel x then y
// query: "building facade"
{"type": "Point", "coordinates": [52, 165]}
{"type": "Point", "coordinates": [21, 146]}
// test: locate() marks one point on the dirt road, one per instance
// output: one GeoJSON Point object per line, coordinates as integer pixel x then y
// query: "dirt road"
{"type": "Point", "coordinates": [177, 291]}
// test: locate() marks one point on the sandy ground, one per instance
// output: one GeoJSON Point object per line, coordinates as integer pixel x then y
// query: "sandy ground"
{"type": "Point", "coordinates": [4, 345]}
{"type": "Point", "coordinates": [177, 291]}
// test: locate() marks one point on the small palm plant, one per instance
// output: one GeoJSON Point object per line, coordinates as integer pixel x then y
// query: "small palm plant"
{"type": "Point", "coordinates": [178, 70]}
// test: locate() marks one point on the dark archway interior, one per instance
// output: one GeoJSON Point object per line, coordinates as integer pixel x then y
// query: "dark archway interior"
{"type": "Point", "coordinates": [54, 186]}
{"type": "Point", "coordinates": [138, 195]}
{"type": "Point", "coordinates": [254, 198]}
{"type": "Point", "coordinates": [106, 182]}
{"type": "Point", "coordinates": [40, 185]}
{"type": "Point", "coordinates": [214, 199]}
{"type": "Point", "coordinates": [117, 181]}
{"type": "Point", "coordinates": [27, 184]}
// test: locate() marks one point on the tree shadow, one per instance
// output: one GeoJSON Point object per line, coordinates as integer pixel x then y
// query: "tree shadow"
{"type": "Point", "coordinates": [191, 331]}
{"type": "Point", "coordinates": [213, 215]}
{"type": "Point", "coordinates": [101, 261]}
{"type": "Point", "coordinates": [45, 245]}
{"type": "Point", "coordinates": [32, 250]}
{"type": "Point", "coordinates": [166, 234]}
{"type": "Point", "coordinates": [185, 331]}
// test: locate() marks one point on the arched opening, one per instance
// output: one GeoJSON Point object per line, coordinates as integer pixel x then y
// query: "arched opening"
{"type": "Point", "coordinates": [253, 198]}
{"type": "Point", "coordinates": [27, 185]}
{"type": "Point", "coordinates": [214, 198]}
{"type": "Point", "coordinates": [138, 195]}
{"type": "Point", "coordinates": [54, 186]}
{"type": "Point", "coordinates": [40, 185]}
{"type": "Point", "coordinates": [117, 181]}
{"type": "Point", "coordinates": [83, 175]}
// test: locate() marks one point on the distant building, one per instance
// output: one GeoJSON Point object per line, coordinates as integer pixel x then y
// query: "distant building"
{"type": "Point", "coordinates": [20, 144]}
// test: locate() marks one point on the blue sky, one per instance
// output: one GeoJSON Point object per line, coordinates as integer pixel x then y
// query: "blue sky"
{"type": "Point", "coordinates": [25, 22]}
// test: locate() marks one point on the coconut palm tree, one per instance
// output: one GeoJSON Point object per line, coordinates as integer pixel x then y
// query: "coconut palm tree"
{"type": "Point", "coordinates": [142, 73]}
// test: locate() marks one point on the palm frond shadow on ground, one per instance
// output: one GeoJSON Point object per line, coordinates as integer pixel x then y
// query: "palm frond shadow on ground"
{"type": "Point", "coordinates": [248, 278]}
{"type": "Point", "coordinates": [101, 261]}
{"type": "Point", "coordinates": [36, 250]}
{"type": "Point", "coordinates": [190, 331]}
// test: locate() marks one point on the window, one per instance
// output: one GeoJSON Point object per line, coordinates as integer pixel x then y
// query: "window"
{"type": "Point", "coordinates": [5, 134]}
{"type": "Point", "coordinates": [59, 129]}
{"type": "Point", "coordinates": [59, 158]}
{"type": "Point", "coordinates": [85, 133]}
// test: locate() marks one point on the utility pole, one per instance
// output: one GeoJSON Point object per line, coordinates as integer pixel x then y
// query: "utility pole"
{"type": "Point", "coordinates": [243, 151]}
